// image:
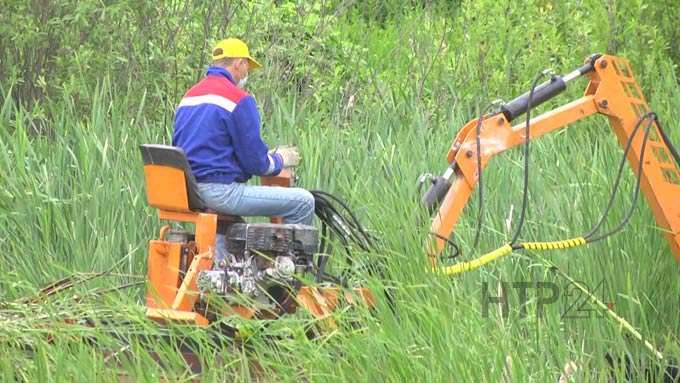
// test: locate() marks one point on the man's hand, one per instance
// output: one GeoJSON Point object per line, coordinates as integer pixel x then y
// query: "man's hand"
{"type": "Point", "coordinates": [290, 155]}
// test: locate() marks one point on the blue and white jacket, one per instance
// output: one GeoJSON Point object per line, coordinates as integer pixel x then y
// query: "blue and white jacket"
{"type": "Point", "coordinates": [218, 127]}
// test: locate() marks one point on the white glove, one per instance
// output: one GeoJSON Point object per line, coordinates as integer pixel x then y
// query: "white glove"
{"type": "Point", "coordinates": [290, 155]}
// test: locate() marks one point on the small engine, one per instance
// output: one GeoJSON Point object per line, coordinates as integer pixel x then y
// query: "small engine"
{"type": "Point", "coordinates": [262, 262]}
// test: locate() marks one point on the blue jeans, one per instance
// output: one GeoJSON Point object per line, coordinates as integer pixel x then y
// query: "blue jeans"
{"type": "Point", "coordinates": [295, 205]}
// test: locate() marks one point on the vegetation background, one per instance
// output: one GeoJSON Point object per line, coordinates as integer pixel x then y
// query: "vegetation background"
{"type": "Point", "coordinates": [372, 92]}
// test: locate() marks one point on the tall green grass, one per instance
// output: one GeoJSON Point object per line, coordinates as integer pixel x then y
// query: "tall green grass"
{"type": "Point", "coordinates": [72, 200]}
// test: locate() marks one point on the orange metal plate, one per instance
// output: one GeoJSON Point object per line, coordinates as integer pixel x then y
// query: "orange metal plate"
{"type": "Point", "coordinates": [166, 188]}
{"type": "Point", "coordinates": [163, 273]}
{"type": "Point", "coordinates": [177, 316]}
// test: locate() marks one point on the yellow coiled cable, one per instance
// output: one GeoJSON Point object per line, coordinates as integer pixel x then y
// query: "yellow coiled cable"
{"type": "Point", "coordinates": [564, 244]}
{"type": "Point", "coordinates": [478, 262]}
{"type": "Point", "coordinates": [502, 251]}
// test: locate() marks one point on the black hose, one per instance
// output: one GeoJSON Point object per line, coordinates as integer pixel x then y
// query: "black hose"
{"type": "Point", "coordinates": [619, 174]}
{"type": "Point", "coordinates": [480, 181]}
{"type": "Point", "coordinates": [527, 138]}
{"type": "Point", "coordinates": [338, 220]}
{"type": "Point", "coordinates": [590, 237]}
{"type": "Point", "coordinates": [667, 141]}
{"type": "Point", "coordinates": [450, 243]}
{"type": "Point", "coordinates": [347, 223]}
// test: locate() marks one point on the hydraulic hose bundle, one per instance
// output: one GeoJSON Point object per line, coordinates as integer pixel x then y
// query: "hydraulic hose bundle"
{"type": "Point", "coordinates": [339, 221]}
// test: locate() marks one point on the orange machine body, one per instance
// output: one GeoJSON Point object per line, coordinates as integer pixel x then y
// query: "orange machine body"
{"type": "Point", "coordinates": [613, 92]}
{"type": "Point", "coordinates": [166, 190]}
{"type": "Point", "coordinates": [172, 293]}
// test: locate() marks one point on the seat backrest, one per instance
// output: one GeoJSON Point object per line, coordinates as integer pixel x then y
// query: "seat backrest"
{"type": "Point", "coordinates": [170, 184]}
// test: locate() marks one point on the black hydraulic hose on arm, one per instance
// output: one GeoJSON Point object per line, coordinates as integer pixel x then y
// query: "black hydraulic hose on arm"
{"type": "Point", "coordinates": [537, 95]}
{"type": "Point", "coordinates": [455, 247]}
{"type": "Point", "coordinates": [636, 193]}
{"type": "Point", "coordinates": [667, 141]}
{"type": "Point", "coordinates": [527, 139]}
{"type": "Point", "coordinates": [591, 235]}
{"type": "Point", "coordinates": [480, 181]}
{"type": "Point", "coordinates": [617, 180]}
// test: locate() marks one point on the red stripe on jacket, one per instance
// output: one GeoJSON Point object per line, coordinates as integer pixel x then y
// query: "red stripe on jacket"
{"type": "Point", "coordinates": [217, 85]}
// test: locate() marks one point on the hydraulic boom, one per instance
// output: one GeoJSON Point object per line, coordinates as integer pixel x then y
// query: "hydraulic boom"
{"type": "Point", "coordinates": [613, 92]}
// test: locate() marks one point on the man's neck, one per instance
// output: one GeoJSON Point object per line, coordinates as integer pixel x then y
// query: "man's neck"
{"type": "Point", "coordinates": [222, 71]}
{"type": "Point", "coordinates": [232, 72]}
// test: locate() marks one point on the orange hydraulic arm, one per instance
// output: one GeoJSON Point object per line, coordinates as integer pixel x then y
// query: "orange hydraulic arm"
{"type": "Point", "coordinates": [613, 92]}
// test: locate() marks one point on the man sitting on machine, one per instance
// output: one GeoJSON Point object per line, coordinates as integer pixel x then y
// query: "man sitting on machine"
{"type": "Point", "coordinates": [217, 124]}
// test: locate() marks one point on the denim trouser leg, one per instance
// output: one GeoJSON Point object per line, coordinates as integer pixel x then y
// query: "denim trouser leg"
{"type": "Point", "coordinates": [295, 205]}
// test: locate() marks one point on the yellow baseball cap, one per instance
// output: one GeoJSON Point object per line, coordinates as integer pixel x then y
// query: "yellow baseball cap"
{"type": "Point", "coordinates": [234, 48]}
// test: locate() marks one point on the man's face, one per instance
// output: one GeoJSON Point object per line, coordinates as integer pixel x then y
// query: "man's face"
{"type": "Point", "coordinates": [242, 68]}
